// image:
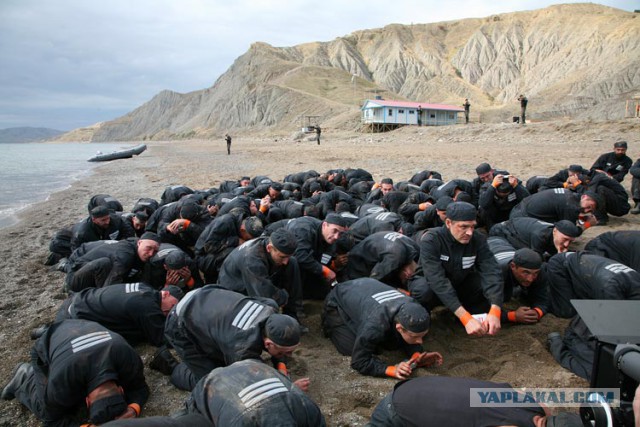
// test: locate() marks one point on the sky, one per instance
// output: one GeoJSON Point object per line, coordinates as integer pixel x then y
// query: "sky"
{"type": "Point", "coordinates": [66, 64]}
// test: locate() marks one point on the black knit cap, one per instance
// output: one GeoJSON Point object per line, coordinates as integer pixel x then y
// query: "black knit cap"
{"type": "Point", "coordinates": [283, 330]}
{"type": "Point", "coordinates": [189, 211]}
{"type": "Point", "coordinates": [99, 211]}
{"type": "Point", "coordinates": [461, 211]}
{"type": "Point", "coordinates": [284, 241]}
{"type": "Point", "coordinates": [177, 259]}
{"type": "Point", "coordinates": [107, 408]}
{"type": "Point", "coordinates": [174, 291]}
{"type": "Point", "coordinates": [413, 317]}
{"type": "Point", "coordinates": [568, 228]}
{"type": "Point", "coordinates": [443, 202]}
{"type": "Point", "coordinates": [483, 168]}
{"type": "Point", "coordinates": [150, 235]}
{"type": "Point", "coordinates": [276, 186]}
{"type": "Point", "coordinates": [336, 219]}
{"type": "Point", "coordinates": [527, 258]}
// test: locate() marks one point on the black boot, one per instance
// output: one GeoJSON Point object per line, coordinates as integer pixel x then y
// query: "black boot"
{"type": "Point", "coordinates": [636, 209]}
{"type": "Point", "coordinates": [163, 361]}
{"type": "Point", "coordinates": [19, 376]}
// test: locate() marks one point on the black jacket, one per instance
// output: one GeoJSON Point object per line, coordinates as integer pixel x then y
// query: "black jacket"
{"type": "Point", "coordinates": [73, 357]}
{"type": "Point", "coordinates": [126, 266]}
{"type": "Point", "coordinates": [446, 264]}
{"type": "Point", "coordinates": [251, 394]}
{"type": "Point", "coordinates": [368, 308]}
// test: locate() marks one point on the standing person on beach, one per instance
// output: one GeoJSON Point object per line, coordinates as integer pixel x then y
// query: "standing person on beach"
{"type": "Point", "coordinates": [523, 107]}
{"type": "Point", "coordinates": [466, 106]}
{"type": "Point", "coordinates": [227, 138]}
{"type": "Point", "coordinates": [318, 132]}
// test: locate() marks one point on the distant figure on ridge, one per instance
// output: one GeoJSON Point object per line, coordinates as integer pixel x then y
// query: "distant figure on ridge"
{"type": "Point", "coordinates": [523, 107]}
{"type": "Point", "coordinates": [318, 132]}
{"type": "Point", "coordinates": [466, 106]}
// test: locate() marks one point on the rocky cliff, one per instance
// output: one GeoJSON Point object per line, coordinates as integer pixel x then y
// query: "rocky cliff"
{"type": "Point", "coordinates": [578, 60]}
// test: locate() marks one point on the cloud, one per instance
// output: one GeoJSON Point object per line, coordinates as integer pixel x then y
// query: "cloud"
{"type": "Point", "coordinates": [78, 55]}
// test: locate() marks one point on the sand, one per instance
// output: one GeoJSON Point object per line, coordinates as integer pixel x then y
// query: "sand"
{"type": "Point", "coordinates": [31, 292]}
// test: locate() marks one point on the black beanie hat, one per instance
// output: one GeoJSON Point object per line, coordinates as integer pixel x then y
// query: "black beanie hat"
{"type": "Point", "coordinates": [99, 211]}
{"type": "Point", "coordinates": [336, 219]}
{"type": "Point", "coordinates": [107, 408]}
{"type": "Point", "coordinates": [174, 291]}
{"type": "Point", "coordinates": [461, 211]}
{"type": "Point", "coordinates": [253, 226]}
{"type": "Point", "coordinates": [413, 317]}
{"type": "Point", "coordinates": [150, 235]}
{"type": "Point", "coordinates": [283, 330]}
{"type": "Point", "coordinates": [527, 258]}
{"type": "Point", "coordinates": [568, 228]}
{"type": "Point", "coordinates": [177, 259]}
{"type": "Point", "coordinates": [284, 241]}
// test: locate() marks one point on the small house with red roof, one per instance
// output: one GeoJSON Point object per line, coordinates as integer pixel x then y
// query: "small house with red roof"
{"type": "Point", "coordinates": [382, 114]}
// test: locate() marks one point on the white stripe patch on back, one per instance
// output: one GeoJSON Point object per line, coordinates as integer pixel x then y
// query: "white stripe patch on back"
{"type": "Point", "coordinates": [325, 259]}
{"type": "Point", "coordinates": [385, 296]}
{"type": "Point", "coordinates": [504, 255]}
{"type": "Point", "coordinates": [257, 392]}
{"type": "Point", "coordinates": [90, 340]}
{"type": "Point", "coordinates": [619, 268]}
{"type": "Point", "coordinates": [246, 317]}
{"type": "Point", "coordinates": [132, 287]}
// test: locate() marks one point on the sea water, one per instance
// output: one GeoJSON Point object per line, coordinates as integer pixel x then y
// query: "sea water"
{"type": "Point", "coordinates": [30, 172]}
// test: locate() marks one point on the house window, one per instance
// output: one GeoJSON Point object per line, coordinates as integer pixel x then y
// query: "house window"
{"type": "Point", "coordinates": [433, 116]}
{"type": "Point", "coordinates": [411, 112]}
{"type": "Point", "coordinates": [451, 116]}
{"type": "Point", "coordinates": [391, 112]}
{"type": "Point", "coordinates": [400, 111]}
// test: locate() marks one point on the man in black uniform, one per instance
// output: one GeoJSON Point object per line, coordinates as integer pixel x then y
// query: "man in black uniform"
{"type": "Point", "coordinates": [78, 360]}
{"type": "Point", "coordinates": [250, 393]}
{"type": "Point", "coordinates": [485, 177]}
{"type": "Point", "coordinates": [97, 264]}
{"type": "Point", "coordinates": [615, 164]}
{"type": "Point", "coordinates": [437, 401]}
{"type": "Point", "coordinates": [524, 279]}
{"type": "Point", "coordinates": [171, 266]}
{"type": "Point", "coordinates": [265, 267]}
{"type": "Point", "coordinates": [101, 224]}
{"type": "Point", "coordinates": [466, 106]}
{"type": "Point", "coordinates": [227, 138]}
{"type": "Point", "coordinates": [225, 233]}
{"type": "Point", "coordinates": [635, 187]}
{"type": "Point", "coordinates": [391, 258]}
{"type": "Point", "coordinates": [181, 225]}
{"type": "Point", "coordinates": [461, 270]}
{"type": "Point", "coordinates": [318, 132]}
{"type": "Point", "coordinates": [363, 316]}
{"type": "Point", "coordinates": [434, 215]}
{"type": "Point", "coordinates": [315, 251]}
{"type": "Point", "coordinates": [543, 237]}
{"type": "Point", "coordinates": [134, 310]}
{"type": "Point", "coordinates": [523, 108]}
{"type": "Point", "coordinates": [622, 246]}
{"type": "Point", "coordinates": [136, 220]}
{"type": "Point", "coordinates": [498, 199]}
{"type": "Point", "coordinates": [582, 275]}
{"type": "Point", "coordinates": [213, 327]}
{"type": "Point", "coordinates": [557, 204]}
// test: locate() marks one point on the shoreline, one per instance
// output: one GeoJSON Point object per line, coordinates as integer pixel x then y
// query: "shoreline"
{"type": "Point", "coordinates": [32, 293]}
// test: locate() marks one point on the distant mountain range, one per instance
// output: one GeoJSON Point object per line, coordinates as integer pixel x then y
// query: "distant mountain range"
{"type": "Point", "coordinates": [28, 134]}
{"type": "Point", "coordinates": [573, 60]}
